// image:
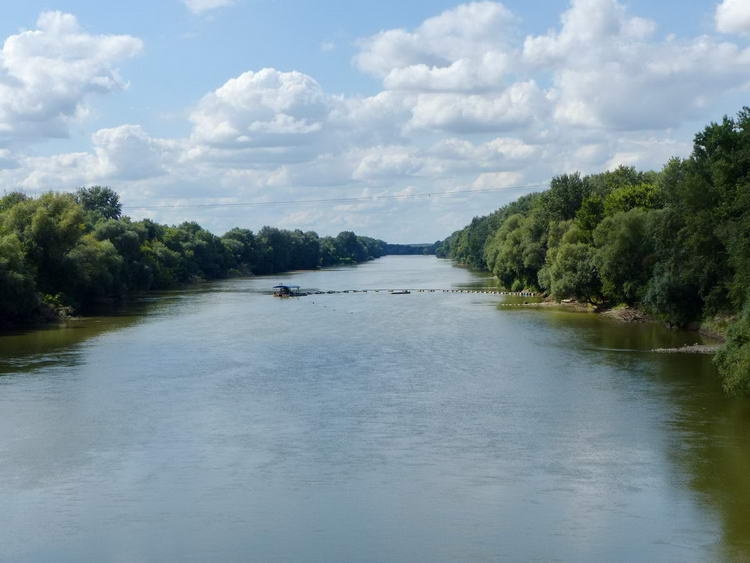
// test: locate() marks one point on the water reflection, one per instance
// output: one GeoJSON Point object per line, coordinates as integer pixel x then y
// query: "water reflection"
{"type": "Point", "coordinates": [58, 344]}
{"type": "Point", "coordinates": [218, 423]}
{"type": "Point", "coordinates": [709, 441]}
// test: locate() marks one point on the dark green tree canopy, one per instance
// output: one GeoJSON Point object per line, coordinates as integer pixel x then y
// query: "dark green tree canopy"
{"type": "Point", "coordinates": [101, 200]}
{"type": "Point", "coordinates": [674, 242]}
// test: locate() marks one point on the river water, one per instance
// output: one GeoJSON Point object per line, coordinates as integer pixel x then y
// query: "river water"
{"type": "Point", "coordinates": [218, 423]}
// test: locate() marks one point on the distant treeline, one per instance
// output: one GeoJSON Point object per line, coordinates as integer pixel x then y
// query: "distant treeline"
{"type": "Point", "coordinates": [70, 250]}
{"type": "Point", "coordinates": [404, 249]}
{"type": "Point", "coordinates": [675, 243]}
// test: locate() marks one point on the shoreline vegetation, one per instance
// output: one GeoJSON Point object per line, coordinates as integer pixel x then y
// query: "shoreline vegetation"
{"type": "Point", "coordinates": [627, 314]}
{"type": "Point", "coordinates": [714, 329]}
{"type": "Point", "coordinates": [672, 246]}
{"type": "Point", "coordinates": [64, 253]}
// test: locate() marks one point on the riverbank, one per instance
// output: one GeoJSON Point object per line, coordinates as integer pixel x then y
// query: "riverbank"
{"type": "Point", "coordinates": [280, 407]}
{"type": "Point", "coordinates": [713, 328]}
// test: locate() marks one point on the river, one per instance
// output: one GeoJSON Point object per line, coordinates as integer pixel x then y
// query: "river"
{"type": "Point", "coordinates": [218, 423]}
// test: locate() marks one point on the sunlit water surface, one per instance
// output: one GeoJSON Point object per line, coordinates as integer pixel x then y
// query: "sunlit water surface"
{"type": "Point", "coordinates": [221, 424]}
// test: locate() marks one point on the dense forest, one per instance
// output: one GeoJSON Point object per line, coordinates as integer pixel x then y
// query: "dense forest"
{"type": "Point", "coordinates": [674, 243]}
{"type": "Point", "coordinates": [412, 249]}
{"type": "Point", "coordinates": [67, 251]}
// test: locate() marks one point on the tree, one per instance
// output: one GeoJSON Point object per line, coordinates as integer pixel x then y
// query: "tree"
{"type": "Point", "coordinates": [94, 271]}
{"type": "Point", "coordinates": [625, 255]}
{"type": "Point", "coordinates": [564, 197]}
{"type": "Point", "coordinates": [590, 214]}
{"type": "Point", "coordinates": [243, 247]}
{"type": "Point", "coordinates": [572, 273]}
{"type": "Point", "coordinates": [626, 198]}
{"type": "Point", "coordinates": [733, 361]}
{"type": "Point", "coordinates": [11, 199]}
{"type": "Point", "coordinates": [18, 298]}
{"type": "Point", "coordinates": [101, 200]}
{"type": "Point", "coordinates": [48, 227]}
{"type": "Point", "coordinates": [516, 252]}
{"type": "Point", "coordinates": [349, 248]}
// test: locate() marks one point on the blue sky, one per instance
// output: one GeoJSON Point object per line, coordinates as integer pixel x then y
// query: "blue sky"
{"type": "Point", "coordinates": [167, 102]}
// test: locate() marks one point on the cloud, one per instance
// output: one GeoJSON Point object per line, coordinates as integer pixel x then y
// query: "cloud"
{"type": "Point", "coordinates": [200, 6]}
{"type": "Point", "coordinates": [733, 16]}
{"type": "Point", "coordinates": [609, 72]}
{"type": "Point", "coordinates": [47, 75]}
{"type": "Point", "coordinates": [379, 163]}
{"type": "Point", "coordinates": [262, 109]}
{"type": "Point", "coordinates": [466, 48]}
{"type": "Point", "coordinates": [127, 152]}
{"type": "Point", "coordinates": [517, 106]}
{"type": "Point", "coordinates": [120, 154]}
{"type": "Point", "coordinates": [7, 160]}
{"type": "Point", "coordinates": [506, 151]}
{"type": "Point", "coordinates": [469, 71]}
{"type": "Point", "coordinates": [496, 180]}
{"type": "Point", "coordinates": [465, 100]}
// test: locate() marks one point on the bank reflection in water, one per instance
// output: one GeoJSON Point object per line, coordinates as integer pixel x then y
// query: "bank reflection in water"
{"type": "Point", "coordinates": [58, 344]}
{"type": "Point", "coordinates": [219, 423]}
{"type": "Point", "coordinates": [709, 432]}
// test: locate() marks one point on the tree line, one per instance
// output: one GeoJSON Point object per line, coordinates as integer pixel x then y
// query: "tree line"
{"type": "Point", "coordinates": [675, 243]}
{"type": "Point", "coordinates": [70, 250]}
{"type": "Point", "coordinates": [412, 249]}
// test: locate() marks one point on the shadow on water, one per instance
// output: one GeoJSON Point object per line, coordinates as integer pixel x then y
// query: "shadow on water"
{"type": "Point", "coordinates": [709, 432]}
{"type": "Point", "coordinates": [432, 420]}
{"type": "Point", "coordinates": [712, 446]}
{"type": "Point", "coordinates": [58, 344]}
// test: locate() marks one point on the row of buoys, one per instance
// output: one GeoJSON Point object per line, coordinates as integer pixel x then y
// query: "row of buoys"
{"type": "Point", "coordinates": [482, 291]}
{"type": "Point", "coordinates": [492, 292]}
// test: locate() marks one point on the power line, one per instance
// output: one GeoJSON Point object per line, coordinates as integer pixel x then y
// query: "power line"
{"type": "Point", "coordinates": [337, 199]}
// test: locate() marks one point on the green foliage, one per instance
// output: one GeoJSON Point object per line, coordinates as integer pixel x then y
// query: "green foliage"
{"type": "Point", "coordinates": [625, 255]}
{"type": "Point", "coordinates": [622, 176]}
{"type": "Point", "coordinates": [100, 200]}
{"type": "Point", "coordinates": [676, 242]}
{"type": "Point", "coordinates": [18, 297]}
{"type": "Point", "coordinates": [11, 199]}
{"type": "Point", "coordinates": [60, 250]}
{"type": "Point", "coordinates": [671, 295]}
{"type": "Point", "coordinates": [48, 227]}
{"type": "Point", "coordinates": [564, 197]}
{"type": "Point", "coordinates": [622, 199]}
{"type": "Point", "coordinates": [590, 214]}
{"type": "Point", "coordinates": [468, 246]}
{"type": "Point", "coordinates": [572, 273]}
{"type": "Point", "coordinates": [516, 252]}
{"type": "Point", "coordinates": [733, 361]}
{"type": "Point", "coordinates": [94, 271]}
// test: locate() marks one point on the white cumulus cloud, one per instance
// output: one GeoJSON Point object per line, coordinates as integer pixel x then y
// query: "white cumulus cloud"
{"type": "Point", "coordinates": [463, 49]}
{"type": "Point", "coordinates": [47, 75]}
{"type": "Point", "coordinates": [466, 99]}
{"type": "Point", "coordinates": [127, 152]}
{"type": "Point", "coordinates": [261, 109]}
{"type": "Point", "coordinates": [517, 106]}
{"type": "Point", "coordinates": [609, 71]}
{"type": "Point", "coordinates": [733, 16]}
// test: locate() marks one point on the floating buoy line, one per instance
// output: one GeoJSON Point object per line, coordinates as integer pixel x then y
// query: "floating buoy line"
{"type": "Point", "coordinates": [408, 290]}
